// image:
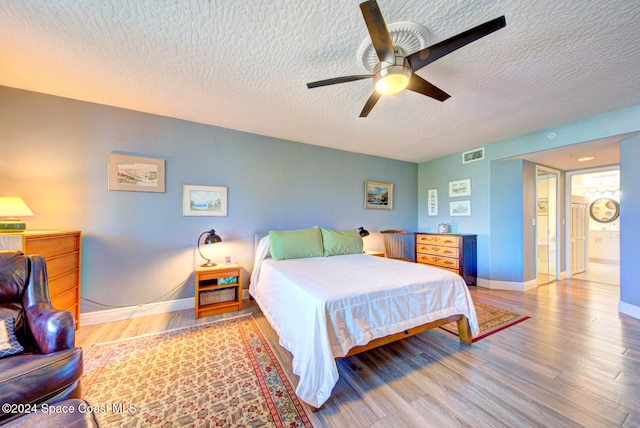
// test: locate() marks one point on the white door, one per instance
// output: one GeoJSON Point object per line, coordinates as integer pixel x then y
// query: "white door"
{"type": "Point", "coordinates": [579, 233]}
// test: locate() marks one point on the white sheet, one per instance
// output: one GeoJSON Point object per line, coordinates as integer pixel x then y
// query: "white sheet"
{"type": "Point", "coordinates": [321, 307]}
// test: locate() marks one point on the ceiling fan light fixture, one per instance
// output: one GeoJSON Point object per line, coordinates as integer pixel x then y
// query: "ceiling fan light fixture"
{"type": "Point", "coordinates": [392, 78]}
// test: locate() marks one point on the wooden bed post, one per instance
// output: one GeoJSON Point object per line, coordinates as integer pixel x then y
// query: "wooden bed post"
{"type": "Point", "coordinates": [464, 331]}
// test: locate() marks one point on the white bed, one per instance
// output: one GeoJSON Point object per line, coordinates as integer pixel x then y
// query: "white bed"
{"type": "Point", "coordinates": [323, 307]}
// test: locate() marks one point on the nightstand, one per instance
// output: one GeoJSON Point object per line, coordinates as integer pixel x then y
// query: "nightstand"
{"type": "Point", "coordinates": [218, 289]}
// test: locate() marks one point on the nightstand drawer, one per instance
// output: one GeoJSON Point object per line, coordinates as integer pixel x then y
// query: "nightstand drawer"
{"type": "Point", "coordinates": [438, 250]}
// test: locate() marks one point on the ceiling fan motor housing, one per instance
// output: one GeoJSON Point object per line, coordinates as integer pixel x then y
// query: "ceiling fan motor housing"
{"type": "Point", "coordinates": [391, 78]}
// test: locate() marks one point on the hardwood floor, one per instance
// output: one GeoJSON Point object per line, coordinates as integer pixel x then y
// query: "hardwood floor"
{"type": "Point", "coordinates": [576, 362]}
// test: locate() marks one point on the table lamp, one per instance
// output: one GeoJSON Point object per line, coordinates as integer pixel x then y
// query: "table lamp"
{"type": "Point", "coordinates": [10, 209]}
{"type": "Point", "coordinates": [363, 232]}
{"type": "Point", "coordinates": [211, 238]}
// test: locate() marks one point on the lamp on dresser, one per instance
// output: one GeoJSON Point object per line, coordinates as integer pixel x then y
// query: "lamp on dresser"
{"type": "Point", "coordinates": [211, 238]}
{"type": "Point", "coordinates": [11, 208]}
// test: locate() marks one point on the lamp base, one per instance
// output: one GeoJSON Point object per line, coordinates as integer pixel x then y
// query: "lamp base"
{"type": "Point", "coordinates": [9, 225]}
{"type": "Point", "coordinates": [208, 264]}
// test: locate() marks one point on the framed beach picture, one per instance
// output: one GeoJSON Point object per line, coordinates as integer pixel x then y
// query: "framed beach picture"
{"type": "Point", "coordinates": [378, 195]}
{"type": "Point", "coordinates": [204, 200]}
{"type": "Point", "coordinates": [136, 173]}
{"type": "Point", "coordinates": [460, 188]}
{"type": "Point", "coordinates": [432, 202]}
{"type": "Point", "coordinates": [460, 208]}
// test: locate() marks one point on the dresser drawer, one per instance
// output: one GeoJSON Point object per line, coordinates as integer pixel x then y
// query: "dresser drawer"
{"type": "Point", "coordinates": [438, 250]}
{"type": "Point", "coordinates": [61, 284]}
{"type": "Point", "coordinates": [62, 264]}
{"type": "Point", "coordinates": [446, 240]}
{"type": "Point", "coordinates": [66, 301]}
{"type": "Point", "coordinates": [438, 261]}
{"type": "Point", "coordinates": [48, 246]}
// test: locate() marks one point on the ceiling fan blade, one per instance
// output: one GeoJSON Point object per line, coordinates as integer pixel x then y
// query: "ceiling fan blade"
{"type": "Point", "coordinates": [421, 86]}
{"type": "Point", "coordinates": [428, 55]}
{"type": "Point", "coordinates": [378, 31]}
{"type": "Point", "coordinates": [336, 80]}
{"type": "Point", "coordinates": [373, 99]}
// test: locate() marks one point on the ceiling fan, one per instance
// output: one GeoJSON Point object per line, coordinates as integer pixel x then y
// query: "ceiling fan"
{"type": "Point", "coordinates": [395, 71]}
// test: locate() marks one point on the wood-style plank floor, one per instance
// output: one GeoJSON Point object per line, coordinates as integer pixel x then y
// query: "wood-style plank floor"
{"type": "Point", "coordinates": [576, 362]}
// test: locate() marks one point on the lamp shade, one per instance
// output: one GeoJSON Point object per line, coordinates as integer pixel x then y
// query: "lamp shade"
{"type": "Point", "coordinates": [11, 208]}
{"type": "Point", "coordinates": [363, 232]}
{"type": "Point", "coordinates": [212, 238]}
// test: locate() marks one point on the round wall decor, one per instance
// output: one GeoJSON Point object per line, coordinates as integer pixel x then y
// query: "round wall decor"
{"type": "Point", "coordinates": [604, 210]}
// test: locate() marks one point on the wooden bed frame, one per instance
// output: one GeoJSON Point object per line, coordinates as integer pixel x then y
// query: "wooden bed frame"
{"type": "Point", "coordinates": [464, 332]}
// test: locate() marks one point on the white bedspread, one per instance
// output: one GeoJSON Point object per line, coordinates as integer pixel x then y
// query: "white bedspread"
{"type": "Point", "coordinates": [321, 307]}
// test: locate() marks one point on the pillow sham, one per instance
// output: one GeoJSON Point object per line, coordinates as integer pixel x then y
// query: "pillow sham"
{"type": "Point", "coordinates": [340, 242]}
{"type": "Point", "coordinates": [9, 344]}
{"type": "Point", "coordinates": [296, 244]}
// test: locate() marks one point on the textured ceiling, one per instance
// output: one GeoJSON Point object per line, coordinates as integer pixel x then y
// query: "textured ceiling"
{"type": "Point", "coordinates": [244, 64]}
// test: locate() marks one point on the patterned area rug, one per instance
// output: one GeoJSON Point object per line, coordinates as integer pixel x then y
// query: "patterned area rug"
{"type": "Point", "coordinates": [217, 374]}
{"type": "Point", "coordinates": [490, 319]}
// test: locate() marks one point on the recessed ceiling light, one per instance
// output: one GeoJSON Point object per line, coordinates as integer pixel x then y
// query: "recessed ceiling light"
{"type": "Point", "coordinates": [586, 158]}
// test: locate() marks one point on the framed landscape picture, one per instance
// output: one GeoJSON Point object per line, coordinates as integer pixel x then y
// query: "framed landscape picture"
{"type": "Point", "coordinates": [460, 208]}
{"type": "Point", "coordinates": [378, 195]}
{"type": "Point", "coordinates": [136, 173]}
{"type": "Point", "coordinates": [460, 188]}
{"type": "Point", "coordinates": [204, 200]}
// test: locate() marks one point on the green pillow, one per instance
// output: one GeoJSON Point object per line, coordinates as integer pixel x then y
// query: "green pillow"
{"type": "Point", "coordinates": [296, 244]}
{"type": "Point", "coordinates": [339, 242]}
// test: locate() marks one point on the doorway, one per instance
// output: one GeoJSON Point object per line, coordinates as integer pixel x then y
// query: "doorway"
{"type": "Point", "coordinates": [546, 225]}
{"type": "Point", "coordinates": [595, 187]}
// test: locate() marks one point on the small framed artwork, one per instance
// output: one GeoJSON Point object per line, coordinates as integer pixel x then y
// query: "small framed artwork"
{"type": "Point", "coordinates": [460, 208]}
{"type": "Point", "coordinates": [204, 200]}
{"type": "Point", "coordinates": [378, 195]}
{"type": "Point", "coordinates": [432, 202]}
{"type": "Point", "coordinates": [460, 188]}
{"type": "Point", "coordinates": [136, 173]}
{"type": "Point", "coordinates": [473, 155]}
{"type": "Point", "coordinates": [543, 207]}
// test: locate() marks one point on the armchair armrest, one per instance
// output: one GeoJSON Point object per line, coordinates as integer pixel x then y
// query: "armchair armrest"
{"type": "Point", "coordinates": [52, 330]}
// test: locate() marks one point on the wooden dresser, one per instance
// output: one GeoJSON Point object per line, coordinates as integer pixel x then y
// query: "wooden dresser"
{"type": "Point", "coordinates": [454, 252]}
{"type": "Point", "coordinates": [61, 251]}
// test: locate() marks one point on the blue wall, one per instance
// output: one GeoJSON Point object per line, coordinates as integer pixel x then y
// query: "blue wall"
{"type": "Point", "coordinates": [138, 247]}
{"type": "Point", "coordinates": [630, 225]}
{"type": "Point", "coordinates": [486, 200]}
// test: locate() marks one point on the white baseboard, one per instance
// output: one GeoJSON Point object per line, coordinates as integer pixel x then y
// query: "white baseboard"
{"type": "Point", "coordinates": [99, 317]}
{"type": "Point", "coordinates": [109, 315]}
{"type": "Point", "coordinates": [507, 285]}
{"type": "Point", "coordinates": [629, 309]}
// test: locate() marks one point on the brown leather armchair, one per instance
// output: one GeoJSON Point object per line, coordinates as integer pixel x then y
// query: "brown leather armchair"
{"type": "Point", "coordinates": [49, 369]}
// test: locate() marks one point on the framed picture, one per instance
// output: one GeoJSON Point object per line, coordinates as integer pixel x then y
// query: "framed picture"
{"type": "Point", "coordinates": [460, 208]}
{"type": "Point", "coordinates": [460, 188]}
{"type": "Point", "coordinates": [136, 173]}
{"type": "Point", "coordinates": [543, 207]}
{"type": "Point", "coordinates": [378, 195]}
{"type": "Point", "coordinates": [473, 155]}
{"type": "Point", "coordinates": [432, 202]}
{"type": "Point", "coordinates": [204, 200]}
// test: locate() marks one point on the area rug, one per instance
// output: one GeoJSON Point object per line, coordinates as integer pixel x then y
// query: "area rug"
{"type": "Point", "coordinates": [217, 374]}
{"type": "Point", "coordinates": [490, 319]}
